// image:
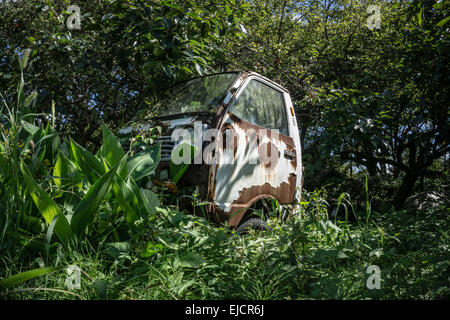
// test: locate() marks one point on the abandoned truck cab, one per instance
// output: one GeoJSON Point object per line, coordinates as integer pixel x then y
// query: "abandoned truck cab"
{"type": "Point", "coordinates": [242, 131]}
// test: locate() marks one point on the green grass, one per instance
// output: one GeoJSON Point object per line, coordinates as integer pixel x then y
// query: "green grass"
{"type": "Point", "coordinates": [308, 257]}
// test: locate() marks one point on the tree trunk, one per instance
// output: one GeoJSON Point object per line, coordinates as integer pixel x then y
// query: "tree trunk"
{"type": "Point", "coordinates": [406, 188]}
{"type": "Point", "coordinates": [410, 178]}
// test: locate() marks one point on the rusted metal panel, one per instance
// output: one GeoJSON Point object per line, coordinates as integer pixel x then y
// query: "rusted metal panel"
{"type": "Point", "coordinates": [236, 182]}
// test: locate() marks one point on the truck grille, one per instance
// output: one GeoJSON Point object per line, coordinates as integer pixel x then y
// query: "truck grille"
{"type": "Point", "coordinates": [167, 146]}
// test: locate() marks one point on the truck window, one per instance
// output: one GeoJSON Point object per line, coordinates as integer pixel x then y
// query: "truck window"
{"type": "Point", "coordinates": [197, 95]}
{"type": "Point", "coordinates": [262, 105]}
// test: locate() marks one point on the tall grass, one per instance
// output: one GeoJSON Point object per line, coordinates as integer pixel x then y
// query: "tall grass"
{"type": "Point", "coordinates": [59, 187]}
{"type": "Point", "coordinates": [12, 125]}
{"type": "Point", "coordinates": [186, 257]}
{"type": "Point", "coordinates": [368, 210]}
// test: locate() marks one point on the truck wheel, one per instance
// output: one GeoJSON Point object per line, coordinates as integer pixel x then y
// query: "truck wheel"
{"type": "Point", "coordinates": [252, 223]}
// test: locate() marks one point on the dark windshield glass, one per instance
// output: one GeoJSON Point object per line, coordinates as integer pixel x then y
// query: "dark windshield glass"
{"type": "Point", "coordinates": [197, 95]}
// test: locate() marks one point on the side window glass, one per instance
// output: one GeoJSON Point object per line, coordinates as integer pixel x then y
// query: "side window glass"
{"type": "Point", "coordinates": [261, 105]}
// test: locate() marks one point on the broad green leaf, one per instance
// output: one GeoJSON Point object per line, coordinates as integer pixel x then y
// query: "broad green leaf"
{"type": "Point", "coordinates": [439, 4]}
{"type": "Point", "coordinates": [51, 139]}
{"type": "Point", "coordinates": [29, 127]}
{"type": "Point", "coordinates": [86, 161]}
{"type": "Point", "coordinates": [84, 212]}
{"type": "Point", "coordinates": [65, 173]}
{"type": "Point", "coordinates": [100, 286]}
{"type": "Point", "coordinates": [175, 217]}
{"type": "Point", "coordinates": [130, 213]}
{"type": "Point", "coordinates": [152, 249]}
{"type": "Point", "coordinates": [118, 250]}
{"type": "Point", "coordinates": [150, 201]}
{"type": "Point", "coordinates": [190, 260]}
{"type": "Point", "coordinates": [127, 196]}
{"type": "Point", "coordinates": [99, 152]}
{"type": "Point", "coordinates": [168, 242]}
{"type": "Point", "coordinates": [144, 163]}
{"type": "Point", "coordinates": [443, 21]}
{"type": "Point", "coordinates": [112, 151]}
{"type": "Point", "coordinates": [49, 235]}
{"type": "Point", "coordinates": [63, 230]}
{"type": "Point", "coordinates": [70, 202]}
{"type": "Point", "coordinates": [420, 16]}
{"type": "Point", "coordinates": [24, 276]}
{"type": "Point", "coordinates": [176, 171]}
{"type": "Point", "coordinates": [127, 199]}
{"type": "Point", "coordinates": [198, 69]}
{"type": "Point", "coordinates": [44, 203]}
{"type": "Point", "coordinates": [47, 207]}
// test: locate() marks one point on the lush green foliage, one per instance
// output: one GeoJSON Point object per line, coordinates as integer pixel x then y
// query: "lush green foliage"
{"type": "Point", "coordinates": [66, 182]}
{"type": "Point", "coordinates": [373, 114]}
{"type": "Point", "coordinates": [185, 257]}
{"type": "Point", "coordinates": [113, 67]}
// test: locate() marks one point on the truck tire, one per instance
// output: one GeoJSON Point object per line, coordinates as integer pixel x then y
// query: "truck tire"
{"type": "Point", "coordinates": [252, 223]}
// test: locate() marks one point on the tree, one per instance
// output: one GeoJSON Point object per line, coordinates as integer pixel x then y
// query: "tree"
{"type": "Point", "coordinates": [112, 68]}
{"type": "Point", "coordinates": [372, 98]}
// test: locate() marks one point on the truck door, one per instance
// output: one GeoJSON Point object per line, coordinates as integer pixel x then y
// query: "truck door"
{"type": "Point", "coordinates": [261, 160]}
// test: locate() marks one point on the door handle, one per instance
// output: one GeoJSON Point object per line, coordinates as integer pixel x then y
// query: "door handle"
{"type": "Point", "coordinates": [289, 154]}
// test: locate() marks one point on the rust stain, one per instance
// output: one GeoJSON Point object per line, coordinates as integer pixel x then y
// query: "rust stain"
{"type": "Point", "coordinates": [212, 182]}
{"type": "Point", "coordinates": [217, 214]}
{"type": "Point", "coordinates": [247, 196]}
{"type": "Point", "coordinates": [216, 123]}
{"type": "Point", "coordinates": [265, 153]}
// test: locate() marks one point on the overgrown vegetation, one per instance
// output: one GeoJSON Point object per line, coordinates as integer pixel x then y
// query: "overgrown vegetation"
{"type": "Point", "coordinates": [374, 126]}
{"type": "Point", "coordinates": [89, 202]}
{"type": "Point", "coordinates": [185, 257]}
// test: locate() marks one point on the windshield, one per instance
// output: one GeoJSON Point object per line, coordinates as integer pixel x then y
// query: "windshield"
{"type": "Point", "coordinates": [197, 95]}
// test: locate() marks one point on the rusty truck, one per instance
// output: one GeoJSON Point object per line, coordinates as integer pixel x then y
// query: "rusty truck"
{"type": "Point", "coordinates": [253, 154]}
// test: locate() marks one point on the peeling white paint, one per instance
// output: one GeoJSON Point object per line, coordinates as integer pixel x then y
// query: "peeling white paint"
{"type": "Point", "coordinates": [240, 173]}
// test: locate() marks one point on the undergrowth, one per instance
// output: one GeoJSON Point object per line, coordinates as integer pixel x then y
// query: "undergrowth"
{"type": "Point", "coordinates": [307, 257]}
